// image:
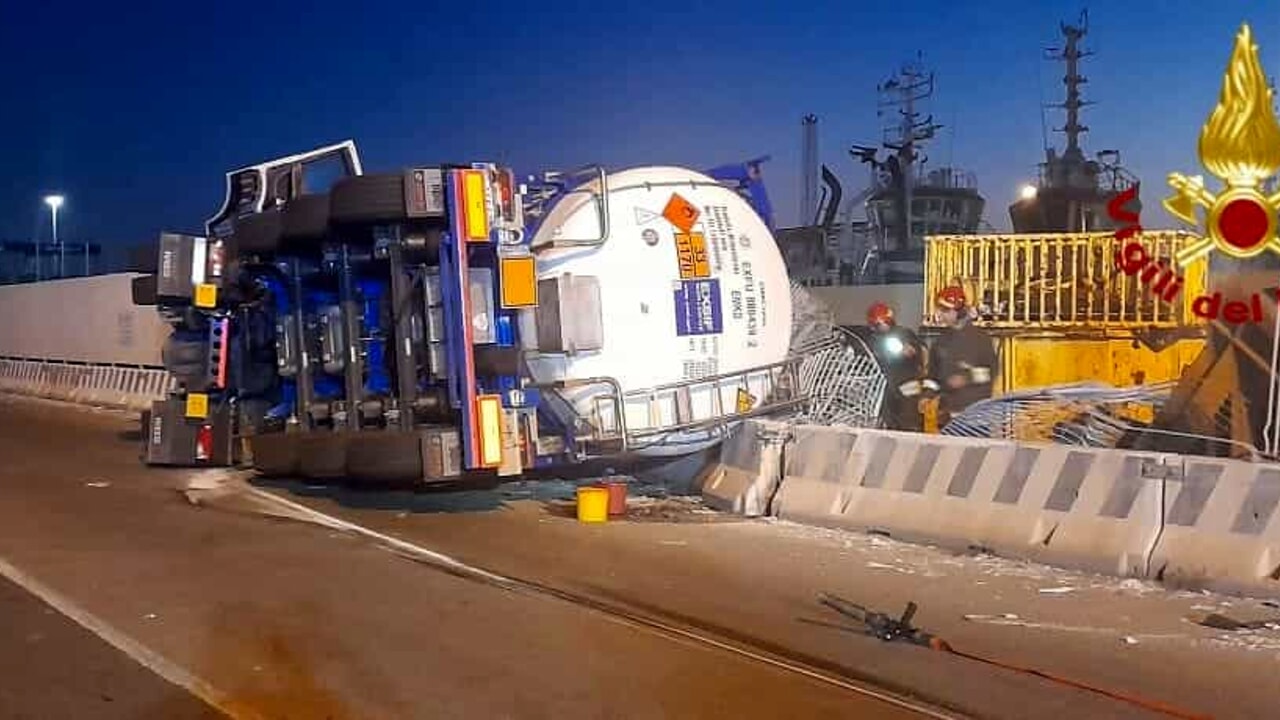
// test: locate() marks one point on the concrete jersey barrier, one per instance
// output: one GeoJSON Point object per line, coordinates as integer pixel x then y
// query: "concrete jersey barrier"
{"type": "Point", "coordinates": [1203, 522]}
{"type": "Point", "coordinates": [1073, 507]}
{"type": "Point", "coordinates": [1221, 527]}
{"type": "Point", "coordinates": [750, 468]}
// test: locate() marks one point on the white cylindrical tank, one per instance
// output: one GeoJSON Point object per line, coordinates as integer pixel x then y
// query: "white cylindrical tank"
{"type": "Point", "coordinates": [690, 284]}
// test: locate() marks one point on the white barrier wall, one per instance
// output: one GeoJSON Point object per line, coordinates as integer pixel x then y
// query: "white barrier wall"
{"type": "Point", "coordinates": [82, 340]}
{"type": "Point", "coordinates": [1189, 521]}
{"type": "Point", "coordinates": [849, 303]}
{"type": "Point", "coordinates": [86, 320]}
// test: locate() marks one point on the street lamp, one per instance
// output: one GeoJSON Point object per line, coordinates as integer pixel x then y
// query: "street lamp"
{"type": "Point", "coordinates": [1028, 192]}
{"type": "Point", "coordinates": [54, 202]}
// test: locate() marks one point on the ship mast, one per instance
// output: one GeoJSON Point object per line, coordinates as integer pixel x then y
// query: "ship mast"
{"type": "Point", "coordinates": [1074, 189]}
{"type": "Point", "coordinates": [1071, 54]}
{"type": "Point", "coordinates": [901, 93]}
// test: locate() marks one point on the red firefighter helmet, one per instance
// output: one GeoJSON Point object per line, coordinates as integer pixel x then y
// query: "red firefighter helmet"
{"type": "Point", "coordinates": [880, 313]}
{"type": "Point", "coordinates": [951, 298]}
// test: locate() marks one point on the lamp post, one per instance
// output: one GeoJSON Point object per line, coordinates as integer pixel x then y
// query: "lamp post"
{"type": "Point", "coordinates": [54, 202]}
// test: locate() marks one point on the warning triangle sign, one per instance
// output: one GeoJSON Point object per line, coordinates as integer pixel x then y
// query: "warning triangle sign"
{"type": "Point", "coordinates": [644, 217]}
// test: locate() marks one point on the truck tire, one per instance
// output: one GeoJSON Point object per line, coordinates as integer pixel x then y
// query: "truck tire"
{"type": "Point", "coordinates": [306, 217]}
{"type": "Point", "coordinates": [178, 353]}
{"type": "Point", "coordinates": [259, 234]}
{"type": "Point", "coordinates": [390, 457]}
{"type": "Point", "coordinates": [275, 454]}
{"type": "Point", "coordinates": [368, 199]}
{"type": "Point", "coordinates": [321, 455]}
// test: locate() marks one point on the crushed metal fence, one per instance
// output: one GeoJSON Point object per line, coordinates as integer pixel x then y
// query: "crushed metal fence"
{"type": "Point", "coordinates": [839, 376]}
{"type": "Point", "coordinates": [1088, 414]}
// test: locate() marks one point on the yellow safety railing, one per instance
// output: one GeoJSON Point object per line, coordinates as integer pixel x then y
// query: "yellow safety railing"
{"type": "Point", "coordinates": [1063, 280]}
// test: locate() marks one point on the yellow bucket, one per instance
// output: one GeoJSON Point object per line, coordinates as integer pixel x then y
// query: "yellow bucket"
{"type": "Point", "coordinates": [593, 504]}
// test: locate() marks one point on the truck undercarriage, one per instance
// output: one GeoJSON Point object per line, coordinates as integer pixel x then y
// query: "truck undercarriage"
{"type": "Point", "coordinates": [371, 330]}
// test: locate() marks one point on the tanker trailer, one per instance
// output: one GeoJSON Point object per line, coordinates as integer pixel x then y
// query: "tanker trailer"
{"type": "Point", "coordinates": [666, 308]}
{"type": "Point", "coordinates": [447, 321]}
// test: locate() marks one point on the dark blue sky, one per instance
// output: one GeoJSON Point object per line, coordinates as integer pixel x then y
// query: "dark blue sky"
{"type": "Point", "coordinates": [135, 112]}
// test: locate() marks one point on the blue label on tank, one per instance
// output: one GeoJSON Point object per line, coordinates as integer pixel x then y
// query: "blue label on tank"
{"type": "Point", "coordinates": [698, 307]}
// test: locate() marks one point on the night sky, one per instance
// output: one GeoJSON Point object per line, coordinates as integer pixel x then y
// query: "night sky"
{"type": "Point", "coordinates": [136, 112]}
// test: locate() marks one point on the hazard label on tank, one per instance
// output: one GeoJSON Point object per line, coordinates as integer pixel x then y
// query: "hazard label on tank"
{"type": "Point", "coordinates": [680, 212]}
{"type": "Point", "coordinates": [691, 250]}
{"type": "Point", "coordinates": [697, 304]}
{"type": "Point", "coordinates": [644, 217]}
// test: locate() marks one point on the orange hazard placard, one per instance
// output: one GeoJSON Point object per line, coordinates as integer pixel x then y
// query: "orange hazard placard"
{"type": "Point", "coordinates": [691, 250]}
{"type": "Point", "coordinates": [680, 212]}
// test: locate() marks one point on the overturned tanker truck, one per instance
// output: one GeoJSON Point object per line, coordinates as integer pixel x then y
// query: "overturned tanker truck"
{"type": "Point", "coordinates": [447, 322]}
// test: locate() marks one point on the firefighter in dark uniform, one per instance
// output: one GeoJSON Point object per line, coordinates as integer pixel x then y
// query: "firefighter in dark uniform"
{"type": "Point", "coordinates": [963, 360]}
{"type": "Point", "coordinates": [901, 356]}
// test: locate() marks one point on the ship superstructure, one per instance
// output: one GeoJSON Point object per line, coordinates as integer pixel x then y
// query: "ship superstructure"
{"type": "Point", "coordinates": [868, 237]}
{"type": "Point", "coordinates": [942, 200]}
{"type": "Point", "coordinates": [1072, 191]}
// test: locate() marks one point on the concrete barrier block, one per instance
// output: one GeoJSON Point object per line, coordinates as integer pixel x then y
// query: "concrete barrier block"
{"type": "Point", "coordinates": [1099, 509]}
{"type": "Point", "coordinates": [1221, 527]}
{"type": "Point", "coordinates": [911, 486]}
{"type": "Point", "coordinates": [816, 466]}
{"type": "Point", "coordinates": [750, 468]}
{"type": "Point", "coordinates": [1074, 507]}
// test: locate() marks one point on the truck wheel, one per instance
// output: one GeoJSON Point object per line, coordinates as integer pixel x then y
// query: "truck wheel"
{"type": "Point", "coordinates": [322, 456]}
{"type": "Point", "coordinates": [259, 234]}
{"type": "Point", "coordinates": [306, 217]}
{"type": "Point", "coordinates": [176, 353]}
{"type": "Point", "coordinates": [274, 454]}
{"type": "Point", "coordinates": [390, 457]}
{"type": "Point", "coordinates": [368, 199]}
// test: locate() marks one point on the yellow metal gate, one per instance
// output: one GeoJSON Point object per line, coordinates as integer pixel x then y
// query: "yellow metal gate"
{"type": "Point", "coordinates": [1062, 311]}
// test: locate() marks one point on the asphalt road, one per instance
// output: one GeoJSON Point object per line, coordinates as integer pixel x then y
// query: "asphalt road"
{"type": "Point", "coordinates": [285, 620]}
{"type": "Point", "coordinates": [291, 620]}
{"type": "Point", "coordinates": [53, 669]}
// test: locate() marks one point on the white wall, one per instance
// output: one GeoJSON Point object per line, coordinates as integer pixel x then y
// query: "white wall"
{"type": "Point", "coordinates": [849, 303]}
{"type": "Point", "coordinates": [91, 319]}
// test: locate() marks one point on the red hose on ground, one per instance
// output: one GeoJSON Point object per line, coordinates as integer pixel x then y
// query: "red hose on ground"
{"type": "Point", "coordinates": [1153, 705]}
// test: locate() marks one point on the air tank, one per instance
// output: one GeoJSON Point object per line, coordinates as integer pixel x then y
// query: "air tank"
{"type": "Point", "coordinates": [661, 278]}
